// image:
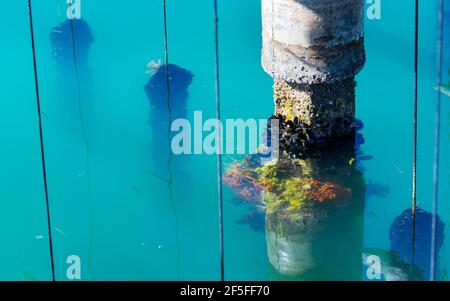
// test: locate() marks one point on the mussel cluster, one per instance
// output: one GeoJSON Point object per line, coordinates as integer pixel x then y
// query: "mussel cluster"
{"type": "Point", "coordinates": [295, 137]}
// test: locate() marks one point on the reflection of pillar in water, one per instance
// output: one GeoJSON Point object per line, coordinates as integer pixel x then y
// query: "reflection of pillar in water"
{"type": "Point", "coordinates": [313, 50]}
{"type": "Point", "coordinates": [313, 195]}
{"type": "Point", "coordinates": [314, 209]}
{"type": "Point", "coordinates": [313, 200]}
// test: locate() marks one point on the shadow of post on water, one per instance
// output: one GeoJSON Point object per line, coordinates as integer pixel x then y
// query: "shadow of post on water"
{"type": "Point", "coordinates": [71, 41]}
{"type": "Point", "coordinates": [168, 99]}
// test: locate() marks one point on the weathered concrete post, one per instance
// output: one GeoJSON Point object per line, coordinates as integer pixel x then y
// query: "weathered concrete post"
{"type": "Point", "coordinates": [313, 49]}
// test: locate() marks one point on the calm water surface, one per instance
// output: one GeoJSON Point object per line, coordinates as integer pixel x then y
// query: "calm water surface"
{"type": "Point", "coordinates": [105, 130]}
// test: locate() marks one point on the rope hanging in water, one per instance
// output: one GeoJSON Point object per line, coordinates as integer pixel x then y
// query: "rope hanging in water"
{"type": "Point", "coordinates": [86, 143]}
{"type": "Point", "coordinates": [219, 148]}
{"type": "Point", "coordinates": [414, 172]}
{"type": "Point", "coordinates": [41, 139]}
{"type": "Point", "coordinates": [166, 58]}
{"type": "Point", "coordinates": [169, 159]}
{"type": "Point", "coordinates": [437, 141]}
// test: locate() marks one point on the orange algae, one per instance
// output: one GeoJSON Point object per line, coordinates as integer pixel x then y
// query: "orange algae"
{"type": "Point", "coordinates": [326, 191]}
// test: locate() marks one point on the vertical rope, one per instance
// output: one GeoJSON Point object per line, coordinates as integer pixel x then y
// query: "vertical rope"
{"type": "Point", "coordinates": [166, 58]}
{"type": "Point", "coordinates": [437, 141]}
{"type": "Point", "coordinates": [86, 144]}
{"type": "Point", "coordinates": [169, 160]}
{"type": "Point", "coordinates": [414, 172]}
{"type": "Point", "coordinates": [41, 139]}
{"type": "Point", "coordinates": [219, 148]}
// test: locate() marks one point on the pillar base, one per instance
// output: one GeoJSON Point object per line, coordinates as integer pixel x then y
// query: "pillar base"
{"type": "Point", "coordinates": [327, 111]}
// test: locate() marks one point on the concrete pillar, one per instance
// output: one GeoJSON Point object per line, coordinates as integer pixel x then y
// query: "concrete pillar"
{"type": "Point", "coordinates": [313, 49]}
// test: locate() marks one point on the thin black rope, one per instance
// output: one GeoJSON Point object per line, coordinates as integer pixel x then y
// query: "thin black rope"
{"type": "Point", "coordinates": [166, 58]}
{"type": "Point", "coordinates": [414, 171]}
{"type": "Point", "coordinates": [169, 160]}
{"type": "Point", "coordinates": [219, 147]}
{"type": "Point", "coordinates": [437, 141]}
{"type": "Point", "coordinates": [86, 144]}
{"type": "Point", "coordinates": [41, 139]}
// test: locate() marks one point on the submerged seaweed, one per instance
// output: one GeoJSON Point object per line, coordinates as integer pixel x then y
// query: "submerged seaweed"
{"type": "Point", "coordinates": [400, 234]}
{"type": "Point", "coordinates": [167, 103]}
{"type": "Point", "coordinates": [179, 80]}
{"type": "Point", "coordinates": [304, 199]}
{"type": "Point", "coordinates": [71, 41]}
{"type": "Point", "coordinates": [67, 35]}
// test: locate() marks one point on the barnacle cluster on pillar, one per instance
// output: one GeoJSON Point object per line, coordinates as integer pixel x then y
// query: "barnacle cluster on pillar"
{"type": "Point", "coordinates": [313, 49]}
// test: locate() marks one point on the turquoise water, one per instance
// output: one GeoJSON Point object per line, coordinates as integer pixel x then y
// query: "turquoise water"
{"type": "Point", "coordinates": [106, 152]}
